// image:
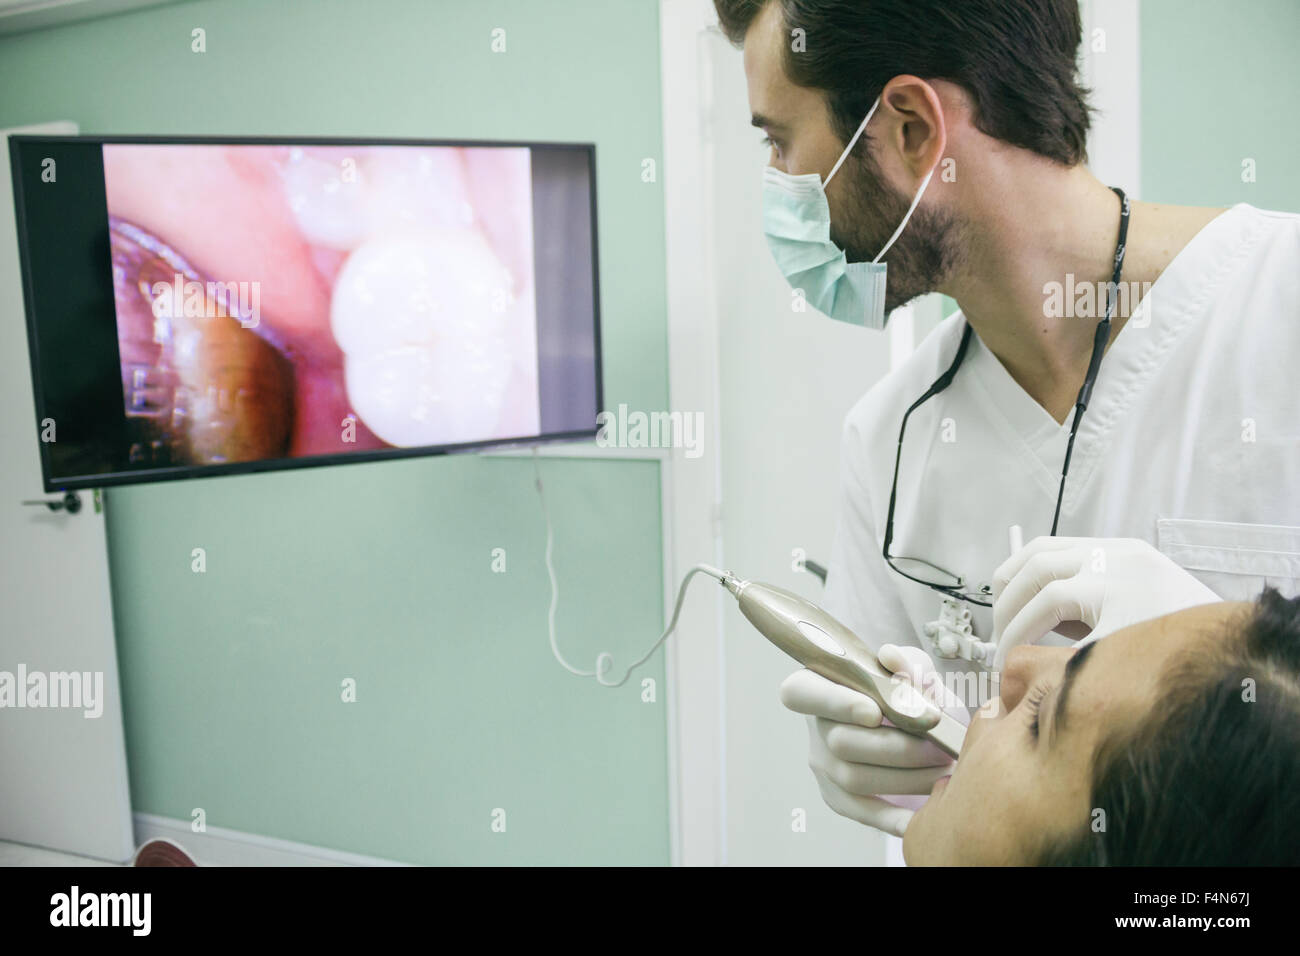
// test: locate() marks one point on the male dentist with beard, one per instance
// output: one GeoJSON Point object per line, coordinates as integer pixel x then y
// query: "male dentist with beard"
{"type": "Point", "coordinates": [925, 146]}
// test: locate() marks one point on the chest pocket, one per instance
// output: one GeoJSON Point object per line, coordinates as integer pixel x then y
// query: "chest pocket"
{"type": "Point", "coordinates": [1234, 560]}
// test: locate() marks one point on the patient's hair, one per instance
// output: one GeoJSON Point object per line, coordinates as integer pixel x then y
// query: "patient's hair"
{"type": "Point", "coordinates": [1016, 60]}
{"type": "Point", "coordinates": [1212, 778]}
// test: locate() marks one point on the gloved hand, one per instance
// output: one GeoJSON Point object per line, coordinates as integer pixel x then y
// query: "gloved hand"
{"type": "Point", "coordinates": [1104, 583]}
{"type": "Point", "coordinates": [856, 757]}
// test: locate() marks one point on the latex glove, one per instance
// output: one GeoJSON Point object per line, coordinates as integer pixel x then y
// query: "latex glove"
{"type": "Point", "coordinates": [1104, 583]}
{"type": "Point", "coordinates": [856, 757]}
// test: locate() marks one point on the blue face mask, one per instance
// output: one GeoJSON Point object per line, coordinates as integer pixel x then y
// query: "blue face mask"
{"type": "Point", "coordinates": [797, 222]}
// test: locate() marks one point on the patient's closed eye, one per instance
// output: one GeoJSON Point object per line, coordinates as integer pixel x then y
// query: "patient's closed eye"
{"type": "Point", "coordinates": [1032, 706]}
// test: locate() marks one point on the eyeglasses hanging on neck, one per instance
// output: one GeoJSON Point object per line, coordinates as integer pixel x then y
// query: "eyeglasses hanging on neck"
{"type": "Point", "coordinates": [933, 575]}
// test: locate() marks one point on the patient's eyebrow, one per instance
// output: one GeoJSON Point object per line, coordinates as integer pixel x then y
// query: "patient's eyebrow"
{"type": "Point", "coordinates": [1072, 668]}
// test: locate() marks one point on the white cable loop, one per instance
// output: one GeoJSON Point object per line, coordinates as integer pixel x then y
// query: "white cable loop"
{"type": "Point", "coordinates": [604, 660]}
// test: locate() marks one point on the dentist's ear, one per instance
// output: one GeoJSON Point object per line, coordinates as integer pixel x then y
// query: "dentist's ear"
{"type": "Point", "coordinates": [913, 131]}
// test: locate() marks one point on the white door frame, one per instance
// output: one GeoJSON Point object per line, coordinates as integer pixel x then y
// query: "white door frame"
{"type": "Point", "coordinates": [698, 691]}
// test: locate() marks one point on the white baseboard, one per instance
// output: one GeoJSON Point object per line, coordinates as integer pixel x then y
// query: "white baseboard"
{"type": "Point", "coordinates": [217, 846]}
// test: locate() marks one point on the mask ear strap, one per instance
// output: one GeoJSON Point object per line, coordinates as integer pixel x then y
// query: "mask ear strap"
{"type": "Point", "coordinates": [911, 209]}
{"type": "Point", "coordinates": [853, 142]}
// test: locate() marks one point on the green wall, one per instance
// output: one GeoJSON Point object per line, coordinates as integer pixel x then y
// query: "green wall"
{"type": "Point", "coordinates": [1219, 85]}
{"type": "Point", "coordinates": [382, 572]}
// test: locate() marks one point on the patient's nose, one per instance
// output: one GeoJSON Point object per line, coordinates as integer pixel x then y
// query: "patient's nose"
{"type": "Point", "coordinates": [1021, 670]}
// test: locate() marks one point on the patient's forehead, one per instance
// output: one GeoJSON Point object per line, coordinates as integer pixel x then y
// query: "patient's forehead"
{"type": "Point", "coordinates": [1190, 631]}
{"type": "Point", "coordinates": [1125, 672]}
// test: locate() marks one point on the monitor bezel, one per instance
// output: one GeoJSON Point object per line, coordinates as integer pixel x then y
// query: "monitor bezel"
{"type": "Point", "coordinates": [190, 472]}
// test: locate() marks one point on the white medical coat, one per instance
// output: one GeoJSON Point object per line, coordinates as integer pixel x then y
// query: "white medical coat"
{"type": "Point", "coordinates": [1191, 442]}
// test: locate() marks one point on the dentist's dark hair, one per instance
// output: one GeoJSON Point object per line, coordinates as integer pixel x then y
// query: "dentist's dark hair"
{"type": "Point", "coordinates": [1016, 59]}
{"type": "Point", "coordinates": [1212, 777]}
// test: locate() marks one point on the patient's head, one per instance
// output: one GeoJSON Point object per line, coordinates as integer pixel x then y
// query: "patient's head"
{"type": "Point", "coordinates": [1173, 742]}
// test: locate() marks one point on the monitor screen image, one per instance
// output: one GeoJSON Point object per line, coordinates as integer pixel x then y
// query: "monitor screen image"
{"type": "Point", "coordinates": [200, 307]}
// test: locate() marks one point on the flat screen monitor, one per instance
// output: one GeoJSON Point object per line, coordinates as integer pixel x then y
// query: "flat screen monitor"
{"type": "Point", "coordinates": [204, 306]}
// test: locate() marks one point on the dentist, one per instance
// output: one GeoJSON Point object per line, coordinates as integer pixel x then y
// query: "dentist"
{"type": "Point", "coordinates": [1118, 369]}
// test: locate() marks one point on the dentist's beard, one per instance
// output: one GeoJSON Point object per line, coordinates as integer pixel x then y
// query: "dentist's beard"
{"type": "Point", "coordinates": [929, 250]}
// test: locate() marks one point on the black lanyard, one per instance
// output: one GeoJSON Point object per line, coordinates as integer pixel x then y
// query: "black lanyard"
{"type": "Point", "coordinates": [1099, 340]}
{"type": "Point", "coordinates": [931, 575]}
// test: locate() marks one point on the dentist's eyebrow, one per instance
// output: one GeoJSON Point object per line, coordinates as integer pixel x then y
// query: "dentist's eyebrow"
{"type": "Point", "coordinates": [763, 122]}
{"type": "Point", "coordinates": [1072, 668]}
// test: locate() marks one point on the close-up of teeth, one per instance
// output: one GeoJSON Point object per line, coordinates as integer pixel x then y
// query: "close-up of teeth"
{"type": "Point", "coordinates": [340, 197]}
{"type": "Point", "coordinates": [327, 199]}
{"type": "Point", "coordinates": [421, 304]}
{"type": "Point", "coordinates": [421, 318]}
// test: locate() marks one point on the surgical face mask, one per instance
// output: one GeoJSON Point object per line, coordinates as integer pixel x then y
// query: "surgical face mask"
{"type": "Point", "coordinates": [797, 223]}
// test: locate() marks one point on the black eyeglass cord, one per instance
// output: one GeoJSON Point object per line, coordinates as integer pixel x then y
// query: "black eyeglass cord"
{"type": "Point", "coordinates": [1099, 340]}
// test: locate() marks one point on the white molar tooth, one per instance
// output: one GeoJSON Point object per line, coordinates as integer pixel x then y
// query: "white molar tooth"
{"type": "Point", "coordinates": [428, 186]}
{"type": "Point", "coordinates": [329, 209]}
{"type": "Point", "coordinates": [427, 357]}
